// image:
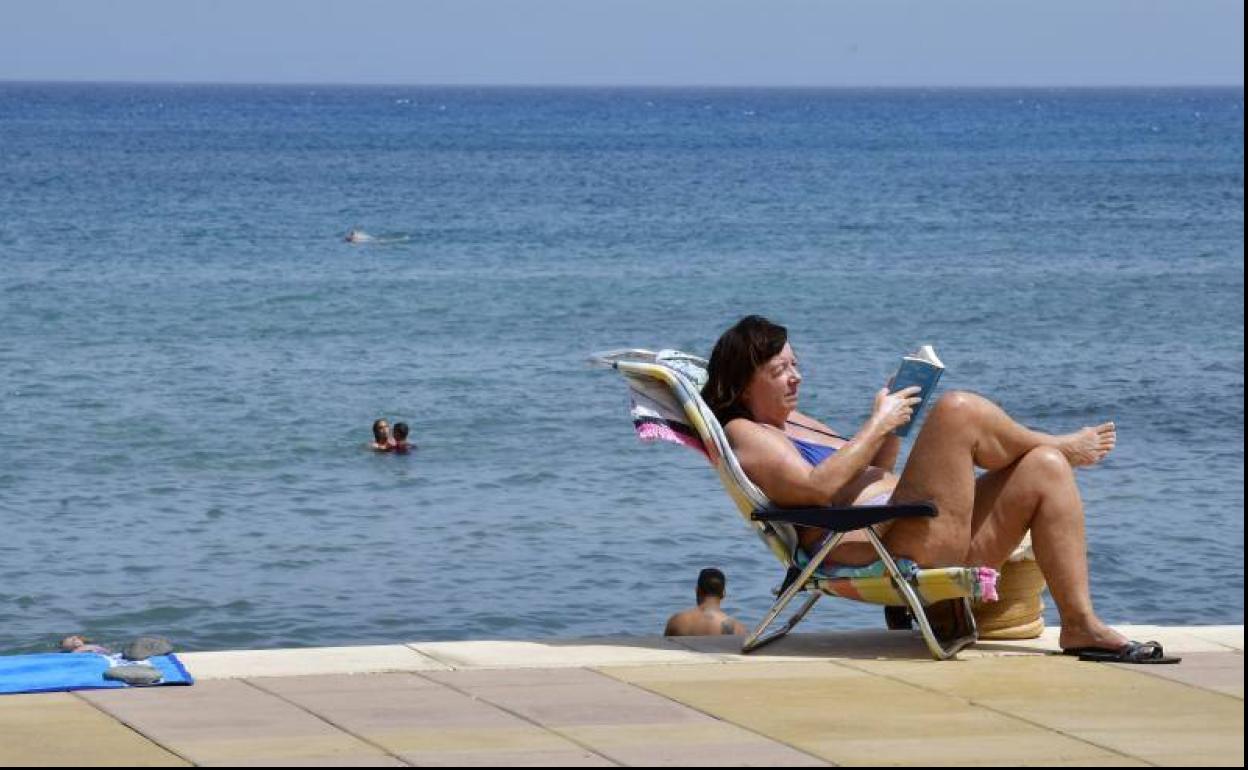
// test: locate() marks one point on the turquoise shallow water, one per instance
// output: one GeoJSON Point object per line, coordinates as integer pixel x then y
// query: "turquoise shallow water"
{"type": "Point", "coordinates": [190, 356]}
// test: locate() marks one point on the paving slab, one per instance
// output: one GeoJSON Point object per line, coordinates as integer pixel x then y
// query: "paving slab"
{"type": "Point", "coordinates": [1184, 639]}
{"type": "Point", "coordinates": [871, 644]}
{"type": "Point", "coordinates": [797, 647]}
{"type": "Point", "coordinates": [849, 716]}
{"type": "Point", "coordinates": [508, 756]}
{"type": "Point", "coordinates": [580, 697]}
{"type": "Point", "coordinates": [623, 723]}
{"type": "Point", "coordinates": [231, 722]}
{"type": "Point", "coordinates": [62, 730]}
{"type": "Point", "coordinates": [1230, 636]}
{"type": "Point", "coordinates": [571, 653]}
{"type": "Point", "coordinates": [712, 743]}
{"type": "Point", "coordinates": [1179, 640]}
{"type": "Point", "coordinates": [338, 760]}
{"type": "Point", "coordinates": [869, 697]}
{"type": "Point", "coordinates": [1216, 671]}
{"type": "Point", "coordinates": [473, 680]}
{"type": "Point", "coordinates": [424, 722]}
{"type": "Point", "coordinates": [240, 664]}
{"type": "Point", "coordinates": [1115, 707]}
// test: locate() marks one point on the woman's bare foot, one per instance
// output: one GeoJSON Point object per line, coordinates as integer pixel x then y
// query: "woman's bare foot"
{"type": "Point", "coordinates": [1088, 446]}
{"type": "Point", "coordinates": [1092, 634]}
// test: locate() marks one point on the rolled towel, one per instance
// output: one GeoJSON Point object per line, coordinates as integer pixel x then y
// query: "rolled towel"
{"type": "Point", "coordinates": [135, 675]}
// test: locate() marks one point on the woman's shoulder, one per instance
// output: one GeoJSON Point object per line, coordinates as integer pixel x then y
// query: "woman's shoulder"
{"type": "Point", "coordinates": [739, 424]}
{"type": "Point", "coordinates": [760, 448]}
{"type": "Point", "coordinates": [743, 429]}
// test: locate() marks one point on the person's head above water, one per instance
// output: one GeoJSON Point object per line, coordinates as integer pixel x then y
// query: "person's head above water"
{"type": "Point", "coordinates": [711, 584]}
{"type": "Point", "coordinates": [381, 431]}
{"type": "Point", "coordinates": [400, 435]}
{"type": "Point", "coordinates": [80, 643]}
{"type": "Point", "coordinates": [73, 642]}
{"type": "Point", "coordinates": [752, 372]}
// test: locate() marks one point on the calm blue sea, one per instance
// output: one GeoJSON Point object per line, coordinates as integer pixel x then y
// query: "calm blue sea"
{"type": "Point", "coordinates": [191, 356]}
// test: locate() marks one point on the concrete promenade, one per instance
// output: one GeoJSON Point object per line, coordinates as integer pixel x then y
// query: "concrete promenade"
{"type": "Point", "coordinates": [855, 698]}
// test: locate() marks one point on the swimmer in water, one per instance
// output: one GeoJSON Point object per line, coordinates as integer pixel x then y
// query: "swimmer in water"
{"type": "Point", "coordinates": [80, 643]}
{"type": "Point", "coordinates": [381, 437]}
{"type": "Point", "coordinates": [400, 444]}
{"type": "Point", "coordinates": [355, 235]}
{"type": "Point", "coordinates": [706, 619]}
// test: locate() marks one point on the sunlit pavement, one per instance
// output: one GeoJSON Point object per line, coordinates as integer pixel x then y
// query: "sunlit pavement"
{"type": "Point", "coordinates": [860, 698]}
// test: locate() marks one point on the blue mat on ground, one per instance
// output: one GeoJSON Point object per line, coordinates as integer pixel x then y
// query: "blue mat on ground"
{"type": "Point", "coordinates": [64, 671]}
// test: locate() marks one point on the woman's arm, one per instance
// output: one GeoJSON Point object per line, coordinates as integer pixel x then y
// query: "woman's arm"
{"type": "Point", "coordinates": [770, 460]}
{"type": "Point", "coordinates": [886, 457]}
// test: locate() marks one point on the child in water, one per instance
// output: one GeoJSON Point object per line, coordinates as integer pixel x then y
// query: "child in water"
{"type": "Point", "coordinates": [400, 444]}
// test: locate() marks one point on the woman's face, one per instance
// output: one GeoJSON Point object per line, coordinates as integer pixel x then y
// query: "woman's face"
{"type": "Point", "coordinates": [771, 395]}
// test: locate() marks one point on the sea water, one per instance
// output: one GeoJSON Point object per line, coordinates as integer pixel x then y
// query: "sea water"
{"type": "Point", "coordinates": [191, 356]}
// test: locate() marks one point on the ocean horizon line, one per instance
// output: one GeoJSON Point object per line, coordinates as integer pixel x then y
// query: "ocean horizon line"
{"type": "Point", "coordinates": [631, 86]}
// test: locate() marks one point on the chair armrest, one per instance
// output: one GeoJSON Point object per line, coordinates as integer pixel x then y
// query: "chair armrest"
{"type": "Point", "coordinates": [844, 518]}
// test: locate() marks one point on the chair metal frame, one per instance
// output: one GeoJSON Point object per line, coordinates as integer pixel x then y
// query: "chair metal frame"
{"type": "Point", "coordinates": [769, 519]}
{"type": "Point", "coordinates": [838, 520]}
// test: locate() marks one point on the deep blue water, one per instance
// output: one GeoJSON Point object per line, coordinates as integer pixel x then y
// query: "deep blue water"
{"type": "Point", "coordinates": [190, 356]}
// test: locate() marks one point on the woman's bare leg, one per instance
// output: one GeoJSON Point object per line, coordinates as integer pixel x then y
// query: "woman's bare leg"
{"type": "Point", "coordinates": [965, 431]}
{"type": "Point", "coordinates": [1038, 492]}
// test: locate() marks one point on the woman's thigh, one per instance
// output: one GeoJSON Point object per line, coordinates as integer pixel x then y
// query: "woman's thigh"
{"type": "Point", "coordinates": [1005, 501]}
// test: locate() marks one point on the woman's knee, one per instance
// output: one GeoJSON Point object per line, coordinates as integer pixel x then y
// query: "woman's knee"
{"type": "Point", "coordinates": [1048, 463]}
{"type": "Point", "coordinates": [958, 406]}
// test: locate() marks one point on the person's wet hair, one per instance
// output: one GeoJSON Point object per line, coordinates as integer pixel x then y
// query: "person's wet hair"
{"type": "Point", "coordinates": [400, 431]}
{"type": "Point", "coordinates": [379, 431]}
{"type": "Point", "coordinates": [711, 582]}
{"type": "Point", "coordinates": [73, 642]}
{"type": "Point", "coordinates": [750, 343]}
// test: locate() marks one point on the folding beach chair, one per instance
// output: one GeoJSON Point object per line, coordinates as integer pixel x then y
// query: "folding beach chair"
{"type": "Point", "coordinates": [667, 406]}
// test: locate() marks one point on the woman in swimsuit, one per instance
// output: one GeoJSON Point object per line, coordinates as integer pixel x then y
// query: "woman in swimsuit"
{"type": "Point", "coordinates": [1029, 483]}
{"type": "Point", "coordinates": [382, 442]}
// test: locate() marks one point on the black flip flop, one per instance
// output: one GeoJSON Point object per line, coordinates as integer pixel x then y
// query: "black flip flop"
{"type": "Point", "coordinates": [1131, 652]}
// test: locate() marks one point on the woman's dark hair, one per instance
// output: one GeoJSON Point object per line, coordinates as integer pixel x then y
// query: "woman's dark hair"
{"type": "Point", "coordinates": [379, 433]}
{"type": "Point", "coordinates": [750, 343]}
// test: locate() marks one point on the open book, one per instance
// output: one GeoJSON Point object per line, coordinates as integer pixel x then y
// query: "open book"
{"type": "Point", "coordinates": [922, 368]}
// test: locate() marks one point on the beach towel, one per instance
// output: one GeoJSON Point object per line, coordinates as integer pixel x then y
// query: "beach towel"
{"type": "Point", "coordinates": [63, 672]}
{"type": "Point", "coordinates": [657, 414]}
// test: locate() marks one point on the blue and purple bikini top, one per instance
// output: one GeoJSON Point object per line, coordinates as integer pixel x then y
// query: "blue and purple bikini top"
{"type": "Point", "coordinates": [811, 452]}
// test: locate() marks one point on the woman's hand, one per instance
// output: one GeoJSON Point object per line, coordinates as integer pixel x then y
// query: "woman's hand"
{"type": "Point", "coordinates": [892, 410]}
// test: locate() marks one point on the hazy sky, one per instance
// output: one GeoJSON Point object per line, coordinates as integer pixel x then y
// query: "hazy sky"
{"type": "Point", "coordinates": [642, 42]}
